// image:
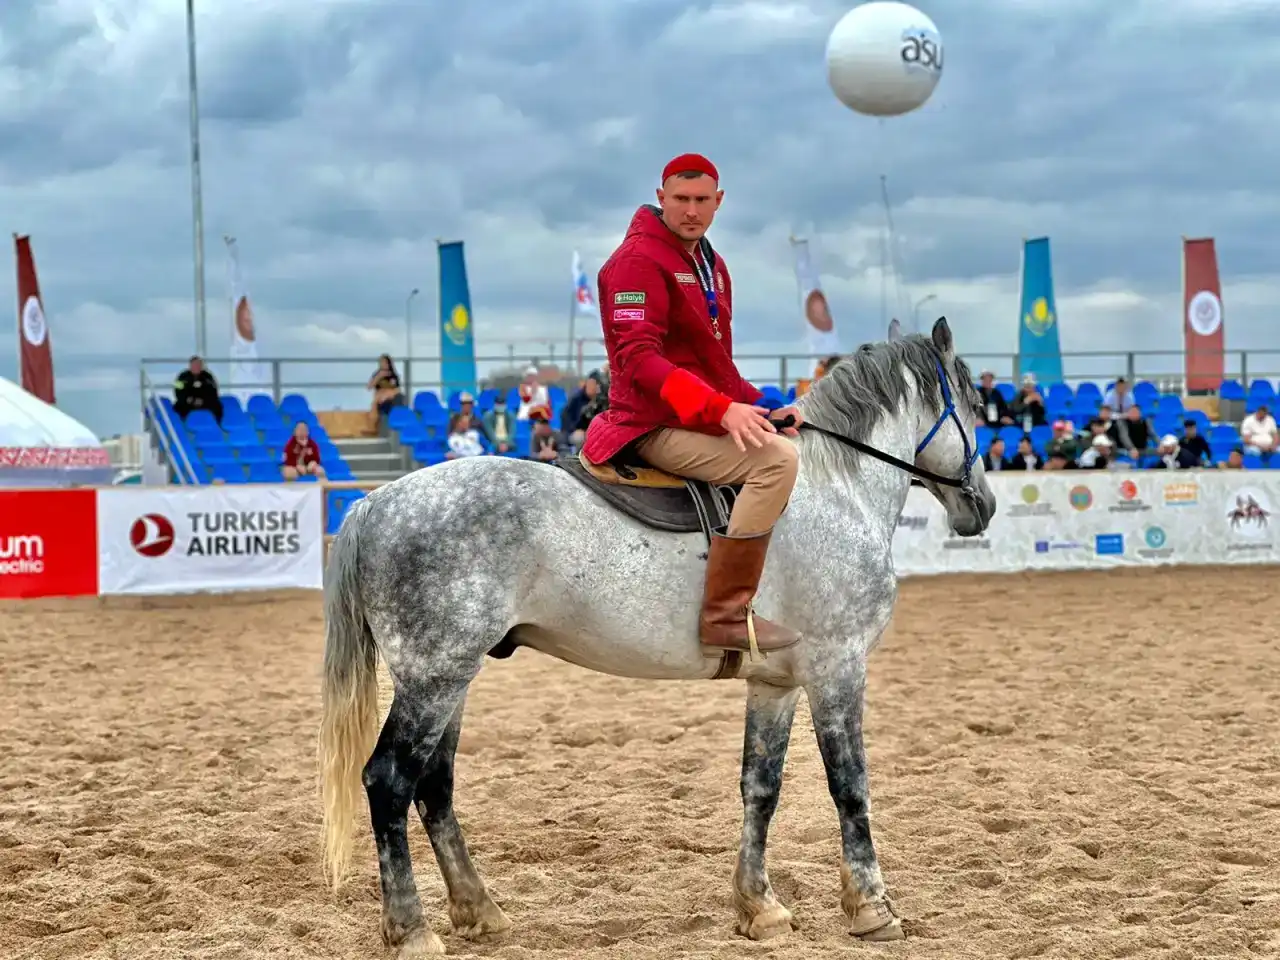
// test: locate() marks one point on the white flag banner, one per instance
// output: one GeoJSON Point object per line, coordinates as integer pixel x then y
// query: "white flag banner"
{"type": "Point", "coordinates": [584, 297]}
{"type": "Point", "coordinates": [249, 375]}
{"type": "Point", "coordinates": [215, 538]}
{"type": "Point", "coordinates": [819, 325]}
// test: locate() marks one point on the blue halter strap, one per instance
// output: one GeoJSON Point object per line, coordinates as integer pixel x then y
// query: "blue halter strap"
{"type": "Point", "coordinates": [949, 413]}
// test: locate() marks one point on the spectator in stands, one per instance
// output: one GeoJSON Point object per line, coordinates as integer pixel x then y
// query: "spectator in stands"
{"type": "Point", "coordinates": [467, 408]}
{"type": "Point", "coordinates": [1173, 456]}
{"type": "Point", "coordinates": [1258, 431]}
{"type": "Point", "coordinates": [1234, 461]}
{"type": "Point", "coordinates": [1197, 445]}
{"type": "Point", "coordinates": [1107, 416]}
{"type": "Point", "coordinates": [545, 443]}
{"type": "Point", "coordinates": [385, 384]}
{"type": "Point", "coordinates": [1098, 454]}
{"type": "Point", "coordinates": [533, 394]}
{"type": "Point", "coordinates": [196, 389]}
{"type": "Point", "coordinates": [1026, 458]}
{"type": "Point", "coordinates": [464, 437]}
{"type": "Point", "coordinates": [1059, 461]}
{"type": "Point", "coordinates": [301, 455]}
{"type": "Point", "coordinates": [997, 413]}
{"type": "Point", "coordinates": [1028, 406]}
{"type": "Point", "coordinates": [595, 393]}
{"type": "Point", "coordinates": [1133, 433]}
{"type": "Point", "coordinates": [994, 459]}
{"type": "Point", "coordinates": [1098, 427]}
{"type": "Point", "coordinates": [1064, 443]}
{"type": "Point", "coordinates": [1119, 398]}
{"type": "Point", "coordinates": [499, 426]}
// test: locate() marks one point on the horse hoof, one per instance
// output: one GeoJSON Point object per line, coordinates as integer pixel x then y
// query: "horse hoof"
{"type": "Point", "coordinates": [771, 922]}
{"type": "Point", "coordinates": [890, 932]}
{"type": "Point", "coordinates": [420, 943]}
{"type": "Point", "coordinates": [479, 923]}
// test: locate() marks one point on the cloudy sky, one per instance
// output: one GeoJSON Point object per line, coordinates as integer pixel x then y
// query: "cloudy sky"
{"type": "Point", "coordinates": [341, 137]}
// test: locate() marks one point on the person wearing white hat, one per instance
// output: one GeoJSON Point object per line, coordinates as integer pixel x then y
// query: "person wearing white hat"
{"type": "Point", "coordinates": [533, 394]}
{"type": "Point", "coordinates": [1098, 456]}
{"type": "Point", "coordinates": [1173, 456]}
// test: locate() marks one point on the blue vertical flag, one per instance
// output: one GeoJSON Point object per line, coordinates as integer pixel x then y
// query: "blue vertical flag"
{"type": "Point", "coordinates": [457, 331]}
{"type": "Point", "coordinates": [1039, 350]}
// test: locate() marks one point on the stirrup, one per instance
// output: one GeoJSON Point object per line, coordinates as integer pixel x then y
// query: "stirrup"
{"type": "Point", "coordinates": [753, 651]}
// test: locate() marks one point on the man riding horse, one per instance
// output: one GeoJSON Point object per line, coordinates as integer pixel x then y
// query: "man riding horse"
{"type": "Point", "coordinates": [676, 397]}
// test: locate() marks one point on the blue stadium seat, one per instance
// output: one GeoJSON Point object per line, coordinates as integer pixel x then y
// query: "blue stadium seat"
{"type": "Point", "coordinates": [1169, 404]}
{"type": "Point", "coordinates": [1231, 390]}
{"type": "Point", "coordinates": [260, 404]}
{"type": "Point", "coordinates": [1011, 435]}
{"type": "Point", "coordinates": [1145, 394]}
{"type": "Point", "coordinates": [400, 416]}
{"type": "Point", "coordinates": [339, 471]}
{"type": "Point", "coordinates": [1253, 462]}
{"type": "Point", "coordinates": [1224, 433]}
{"type": "Point", "coordinates": [228, 472]}
{"type": "Point", "coordinates": [295, 405]}
{"type": "Point", "coordinates": [1091, 391]}
{"type": "Point", "coordinates": [267, 472]}
{"type": "Point", "coordinates": [255, 453]}
{"type": "Point", "coordinates": [339, 503]}
{"type": "Point", "coordinates": [426, 400]}
{"type": "Point", "coordinates": [1008, 391]}
{"type": "Point", "coordinates": [1040, 437]}
{"type": "Point", "coordinates": [1201, 419]}
{"type": "Point", "coordinates": [983, 435]}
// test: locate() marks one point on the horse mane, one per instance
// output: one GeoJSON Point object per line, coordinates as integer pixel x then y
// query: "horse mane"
{"type": "Point", "coordinates": [854, 395]}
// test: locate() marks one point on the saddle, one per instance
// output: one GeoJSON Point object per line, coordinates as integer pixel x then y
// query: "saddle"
{"type": "Point", "coordinates": [657, 499]}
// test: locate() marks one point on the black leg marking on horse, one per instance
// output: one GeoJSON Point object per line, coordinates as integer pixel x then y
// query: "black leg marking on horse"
{"type": "Point", "coordinates": [770, 711]}
{"type": "Point", "coordinates": [837, 720]}
{"type": "Point", "coordinates": [471, 910]}
{"type": "Point", "coordinates": [414, 726]}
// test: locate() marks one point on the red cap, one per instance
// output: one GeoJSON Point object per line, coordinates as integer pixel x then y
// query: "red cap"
{"type": "Point", "coordinates": [687, 162]}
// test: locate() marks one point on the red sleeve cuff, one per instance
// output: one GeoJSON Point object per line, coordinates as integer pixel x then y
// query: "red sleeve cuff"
{"type": "Point", "coordinates": [691, 399]}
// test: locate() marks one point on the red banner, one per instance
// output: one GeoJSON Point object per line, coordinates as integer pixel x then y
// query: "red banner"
{"type": "Point", "coordinates": [33, 331]}
{"type": "Point", "coordinates": [1202, 319]}
{"type": "Point", "coordinates": [48, 543]}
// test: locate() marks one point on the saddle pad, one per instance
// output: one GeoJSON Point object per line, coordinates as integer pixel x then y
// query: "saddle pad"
{"type": "Point", "coordinates": [663, 508]}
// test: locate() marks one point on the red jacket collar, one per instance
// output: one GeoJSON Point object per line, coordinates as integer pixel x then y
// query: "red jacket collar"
{"type": "Point", "coordinates": [647, 222]}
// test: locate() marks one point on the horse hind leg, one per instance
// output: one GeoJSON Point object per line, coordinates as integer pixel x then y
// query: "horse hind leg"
{"type": "Point", "coordinates": [770, 712]}
{"type": "Point", "coordinates": [471, 910]}
{"type": "Point", "coordinates": [419, 716]}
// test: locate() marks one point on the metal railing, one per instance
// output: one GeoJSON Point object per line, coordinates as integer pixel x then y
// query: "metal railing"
{"type": "Point", "coordinates": [156, 421]}
{"type": "Point", "coordinates": [342, 384]}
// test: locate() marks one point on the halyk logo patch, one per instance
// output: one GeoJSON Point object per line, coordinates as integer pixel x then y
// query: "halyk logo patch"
{"type": "Point", "coordinates": [686, 278]}
{"type": "Point", "coordinates": [629, 313]}
{"type": "Point", "coordinates": [633, 297]}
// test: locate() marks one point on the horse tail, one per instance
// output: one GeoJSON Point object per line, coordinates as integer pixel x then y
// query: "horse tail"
{"type": "Point", "coordinates": [349, 717]}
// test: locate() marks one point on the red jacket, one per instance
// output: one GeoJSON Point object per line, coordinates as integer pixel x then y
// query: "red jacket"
{"type": "Point", "coordinates": [297, 454]}
{"type": "Point", "coordinates": [666, 368]}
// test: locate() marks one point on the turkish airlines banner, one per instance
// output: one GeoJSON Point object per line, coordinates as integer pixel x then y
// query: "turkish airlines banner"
{"type": "Point", "coordinates": [1202, 320]}
{"type": "Point", "coordinates": [163, 540]}
{"type": "Point", "coordinates": [34, 350]}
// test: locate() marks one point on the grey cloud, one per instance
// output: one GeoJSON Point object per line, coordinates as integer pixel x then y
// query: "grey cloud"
{"type": "Point", "coordinates": [341, 138]}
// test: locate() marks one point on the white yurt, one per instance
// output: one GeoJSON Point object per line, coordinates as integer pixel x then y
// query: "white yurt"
{"type": "Point", "coordinates": [40, 446]}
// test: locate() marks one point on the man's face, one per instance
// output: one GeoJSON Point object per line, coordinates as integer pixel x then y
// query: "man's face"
{"type": "Point", "coordinates": [1262, 412]}
{"type": "Point", "coordinates": [466, 408]}
{"type": "Point", "coordinates": [689, 206]}
{"type": "Point", "coordinates": [1024, 447]}
{"type": "Point", "coordinates": [988, 381]}
{"type": "Point", "coordinates": [1104, 412]}
{"type": "Point", "coordinates": [197, 367]}
{"type": "Point", "coordinates": [1134, 413]}
{"type": "Point", "coordinates": [1235, 459]}
{"type": "Point", "coordinates": [997, 448]}
{"type": "Point", "coordinates": [301, 431]}
{"type": "Point", "coordinates": [592, 388]}
{"type": "Point", "coordinates": [1121, 388]}
{"type": "Point", "coordinates": [1189, 429]}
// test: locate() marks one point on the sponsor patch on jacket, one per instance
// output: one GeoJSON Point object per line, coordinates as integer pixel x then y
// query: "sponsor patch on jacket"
{"type": "Point", "coordinates": [629, 313]}
{"type": "Point", "coordinates": [720, 280]}
{"type": "Point", "coordinates": [686, 278]}
{"type": "Point", "coordinates": [636, 297]}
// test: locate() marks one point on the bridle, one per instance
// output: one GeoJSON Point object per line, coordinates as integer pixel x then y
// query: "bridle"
{"type": "Point", "coordinates": [963, 483]}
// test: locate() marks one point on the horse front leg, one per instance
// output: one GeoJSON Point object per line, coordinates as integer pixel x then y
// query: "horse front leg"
{"type": "Point", "coordinates": [770, 711]}
{"type": "Point", "coordinates": [837, 706]}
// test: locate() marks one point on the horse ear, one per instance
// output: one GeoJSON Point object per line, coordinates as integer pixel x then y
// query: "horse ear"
{"type": "Point", "coordinates": [942, 337]}
{"type": "Point", "coordinates": [895, 330]}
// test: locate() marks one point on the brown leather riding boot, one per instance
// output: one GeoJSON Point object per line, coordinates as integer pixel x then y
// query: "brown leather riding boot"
{"type": "Point", "coordinates": [734, 565]}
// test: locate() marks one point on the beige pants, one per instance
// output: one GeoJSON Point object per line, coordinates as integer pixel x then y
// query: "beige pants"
{"type": "Point", "coordinates": [766, 473]}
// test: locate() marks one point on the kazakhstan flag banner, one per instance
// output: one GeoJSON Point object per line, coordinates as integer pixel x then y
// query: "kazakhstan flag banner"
{"type": "Point", "coordinates": [457, 330]}
{"type": "Point", "coordinates": [1039, 349]}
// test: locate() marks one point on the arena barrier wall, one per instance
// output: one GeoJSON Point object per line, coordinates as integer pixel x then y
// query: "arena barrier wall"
{"type": "Point", "coordinates": [162, 540]}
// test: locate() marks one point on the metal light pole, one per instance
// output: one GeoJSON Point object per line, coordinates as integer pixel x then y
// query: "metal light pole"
{"type": "Point", "coordinates": [915, 311]}
{"type": "Point", "coordinates": [197, 203]}
{"type": "Point", "coordinates": [408, 323]}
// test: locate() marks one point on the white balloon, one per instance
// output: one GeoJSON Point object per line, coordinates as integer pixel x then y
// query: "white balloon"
{"type": "Point", "coordinates": [884, 58]}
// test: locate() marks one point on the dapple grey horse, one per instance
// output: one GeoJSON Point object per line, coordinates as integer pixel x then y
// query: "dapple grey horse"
{"type": "Point", "coordinates": [437, 569]}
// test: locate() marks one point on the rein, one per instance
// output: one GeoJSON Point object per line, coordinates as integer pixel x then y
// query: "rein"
{"type": "Point", "coordinates": [963, 483]}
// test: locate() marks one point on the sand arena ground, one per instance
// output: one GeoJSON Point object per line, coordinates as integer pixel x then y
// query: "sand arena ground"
{"type": "Point", "coordinates": [1069, 766]}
